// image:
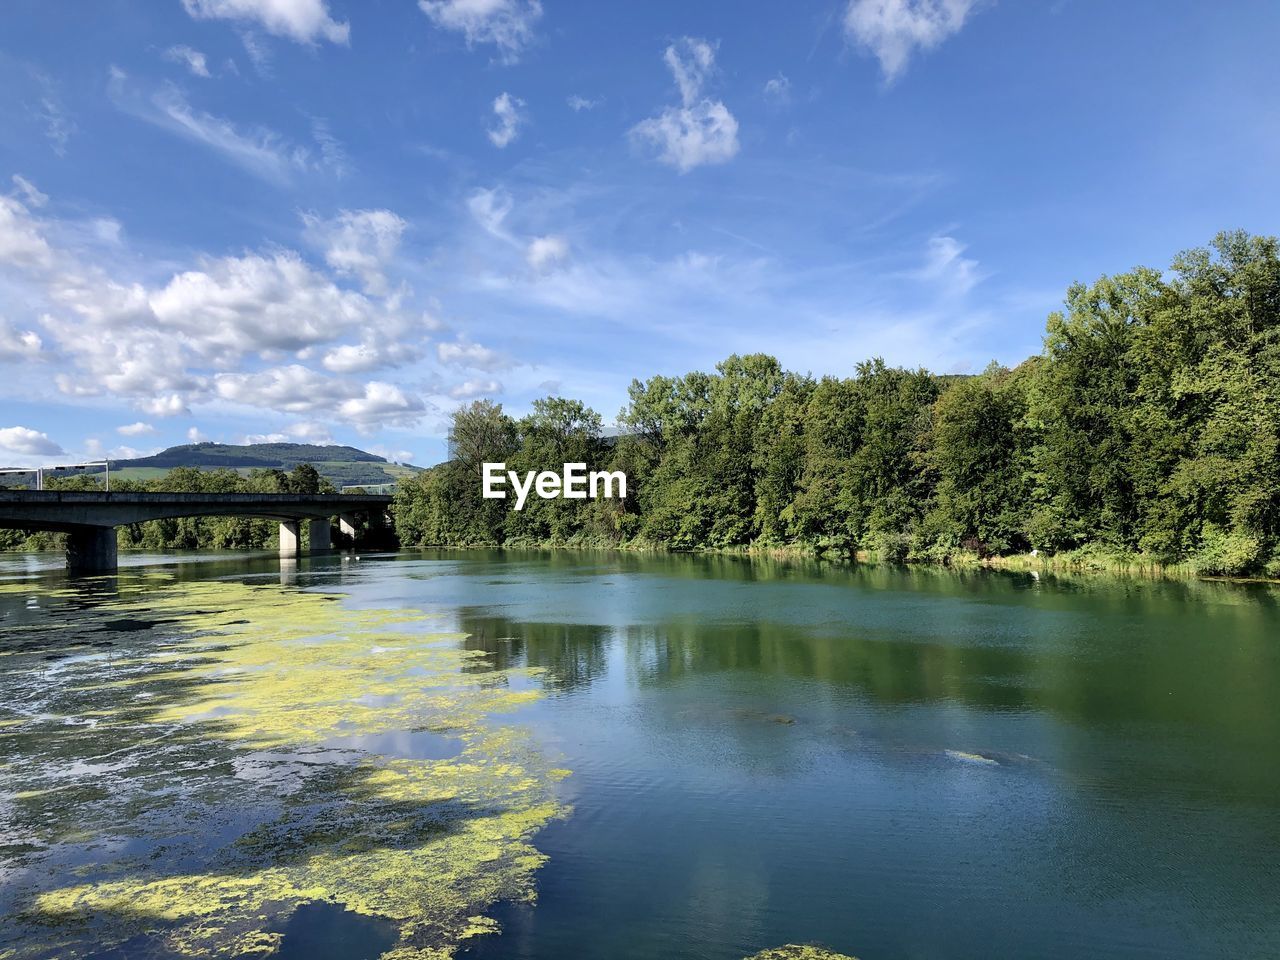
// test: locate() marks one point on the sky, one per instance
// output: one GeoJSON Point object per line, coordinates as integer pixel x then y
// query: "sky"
{"type": "Point", "coordinates": [336, 220]}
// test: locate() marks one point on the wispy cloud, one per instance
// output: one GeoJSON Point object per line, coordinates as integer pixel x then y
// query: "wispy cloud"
{"type": "Point", "coordinates": [507, 109]}
{"type": "Point", "coordinates": [194, 60]}
{"type": "Point", "coordinates": [507, 24]}
{"type": "Point", "coordinates": [260, 151]}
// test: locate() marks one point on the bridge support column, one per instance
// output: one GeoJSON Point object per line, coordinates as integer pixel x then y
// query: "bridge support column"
{"type": "Point", "coordinates": [320, 542]}
{"type": "Point", "coordinates": [92, 550]}
{"type": "Point", "coordinates": [289, 539]}
{"type": "Point", "coordinates": [347, 527]}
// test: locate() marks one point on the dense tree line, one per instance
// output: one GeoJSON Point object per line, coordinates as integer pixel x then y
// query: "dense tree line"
{"type": "Point", "coordinates": [189, 533]}
{"type": "Point", "coordinates": [1149, 427]}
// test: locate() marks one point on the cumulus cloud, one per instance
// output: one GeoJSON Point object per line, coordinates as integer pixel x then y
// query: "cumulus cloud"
{"type": "Point", "coordinates": [382, 403]}
{"type": "Point", "coordinates": [220, 330]}
{"type": "Point", "coordinates": [237, 305]}
{"type": "Point", "coordinates": [543, 253]}
{"type": "Point", "coordinates": [135, 429]}
{"type": "Point", "coordinates": [28, 443]}
{"type": "Point", "coordinates": [373, 354]}
{"type": "Point", "coordinates": [507, 109]}
{"type": "Point", "coordinates": [700, 130]}
{"type": "Point", "coordinates": [169, 405]}
{"type": "Point", "coordinates": [310, 431]}
{"type": "Point", "coordinates": [507, 24]}
{"type": "Point", "coordinates": [194, 60]}
{"type": "Point", "coordinates": [305, 21]}
{"type": "Point", "coordinates": [892, 30]}
{"type": "Point", "coordinates": [470, 389]}
{"type": "Point", "coordinates": [464, 353]}
{"type": "Point", "coordinates": [358, 243]}
{"type": "Point", "coordinates": [578, 103]}
{"type": "Point", "coordinates": [195, 436]}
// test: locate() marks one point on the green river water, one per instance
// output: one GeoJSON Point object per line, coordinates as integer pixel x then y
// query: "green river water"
{"type": "Point", "coordinates": [478, 755]}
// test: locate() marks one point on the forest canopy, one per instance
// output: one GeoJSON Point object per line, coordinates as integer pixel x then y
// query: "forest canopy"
{"type": "Point", "coordinates": [1148, 427]}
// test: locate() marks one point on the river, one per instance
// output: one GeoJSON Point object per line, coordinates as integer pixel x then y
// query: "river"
{"type": "Point", "coordinates": [578, 755]}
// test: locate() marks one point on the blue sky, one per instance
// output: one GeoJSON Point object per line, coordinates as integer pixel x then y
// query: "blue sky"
{"type": "Point", "coordinates": [315, 219]}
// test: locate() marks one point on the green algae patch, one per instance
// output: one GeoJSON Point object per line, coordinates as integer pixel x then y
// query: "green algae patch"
{"type": "Point", "coordinates": [799, 952]}
{"type": "Point", "coordinates": [198, 788]}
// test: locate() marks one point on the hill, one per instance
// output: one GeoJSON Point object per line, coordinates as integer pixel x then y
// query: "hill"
{"type": "Point", "coordinates": [341, 465]}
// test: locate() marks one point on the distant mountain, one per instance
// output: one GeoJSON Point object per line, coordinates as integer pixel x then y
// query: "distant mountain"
{"type": "Point", "coordinates": [342, 465]}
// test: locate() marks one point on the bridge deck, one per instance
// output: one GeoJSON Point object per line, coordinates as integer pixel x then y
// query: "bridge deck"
{"type": "Point", "coordinates": [68, 510]}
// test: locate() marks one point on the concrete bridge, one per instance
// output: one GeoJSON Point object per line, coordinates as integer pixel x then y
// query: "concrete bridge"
{"type": "Point", "coordinates": [90, 518]}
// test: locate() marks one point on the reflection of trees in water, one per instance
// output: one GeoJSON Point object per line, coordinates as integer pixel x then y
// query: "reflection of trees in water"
{"type": "Point", "coordinates": [1209, 687]}
{"type": "Point", "coordinates": [572, 654]}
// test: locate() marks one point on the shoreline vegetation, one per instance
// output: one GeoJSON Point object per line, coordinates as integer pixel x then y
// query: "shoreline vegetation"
{"type": "Point", "coordinates": [1143, 439]}
{"type": "Point", "coordinates": [1145, 436]}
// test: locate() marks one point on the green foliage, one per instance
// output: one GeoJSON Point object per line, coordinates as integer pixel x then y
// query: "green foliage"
{"type": "Point", "coordinates": [1146, 433]}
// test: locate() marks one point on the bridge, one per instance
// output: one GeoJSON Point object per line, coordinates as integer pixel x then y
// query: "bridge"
{"type": "Point", "coordinates": [90, 518]}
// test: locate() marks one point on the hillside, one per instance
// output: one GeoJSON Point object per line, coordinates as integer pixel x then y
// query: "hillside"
{"type": "Point", "coordinates": [342, 465]}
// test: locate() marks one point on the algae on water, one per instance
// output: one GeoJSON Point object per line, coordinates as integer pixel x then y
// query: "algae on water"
{"type": "Point", "coordinates": [190, 787]}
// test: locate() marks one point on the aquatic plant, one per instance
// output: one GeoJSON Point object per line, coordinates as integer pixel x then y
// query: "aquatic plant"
{"type": "Point", "coordinates": [794, 951]}
{"type": "Point", "coordinates": [253, 753]}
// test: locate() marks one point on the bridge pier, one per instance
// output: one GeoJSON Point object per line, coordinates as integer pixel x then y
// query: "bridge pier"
{"type": "Point", "coordinates": [91, 550]}
{"type": "Point", "coordinates": [289, 539]}
{"type": "Point", "coordinates": [320, 540]}
{"type": "Point", "coordinates": [347, 527]}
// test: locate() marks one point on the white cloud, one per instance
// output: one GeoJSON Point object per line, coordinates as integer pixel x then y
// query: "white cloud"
{"type": "Point", "coordinates": [490, 209]}
{"type": "Point", "coordinates": [507, 24]}
{"type": "Point", "coordinates": [251, 438]}
{"type": "Point", "coordinates": [464, 353]}
{"type": "Point", "coordinates": [691, 62]}
{"type": "Point", "coordinates": [195, 436]}
{"type": "Point", "coordinates": [373, 354]}
{"type": "Point", "coordinates": [27, 442]}
{"type": "Point", "coordinates": [18, 344]}
{"type": "Point", "coordinates": [306, 21]}
{"type": "Point", "coordinates": [507, 109]}
{"type": "Point", "coordinates": [193, 59]}
{"type": "Point", "coordinates": [58, 126]}
{"type": "Point", "coordinates": [358, 243]}
{"type": "Point", "coordinates": [217, 332]}
{"type": "Point", "coordinates": [700, 130]}
{"type": "Point", "coordinates": [135, 429]}
{"type": "Point", "coordinates": [470, 389]}
{"type": "Point", "coordinates": [30, 195]}
{"type": "Point", "coordinates": [778, 89]}
{"type": "Point", "coordinates": [310, 431]}
{"type": "Point", "coordinates": [892, 30]}
{"type": "Point", "coordinates": [578, 103]}
{"type": "Point", "coordinates": [382, 403]}
{"type": "Point", "coordinates": [387, 453]}
{"type": "Point", "coordinates": [260, 151]}
{"type": "Point", "coordinates": [947, 268]}
{"type": "Point", "coordinates": [545, 252]}
{"type": "Point", "coordinates": [239, 305]}
{"type": "Point", "coordinates": [22, 241]}
{"type": "Point", "coordinates": [170, 405]}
